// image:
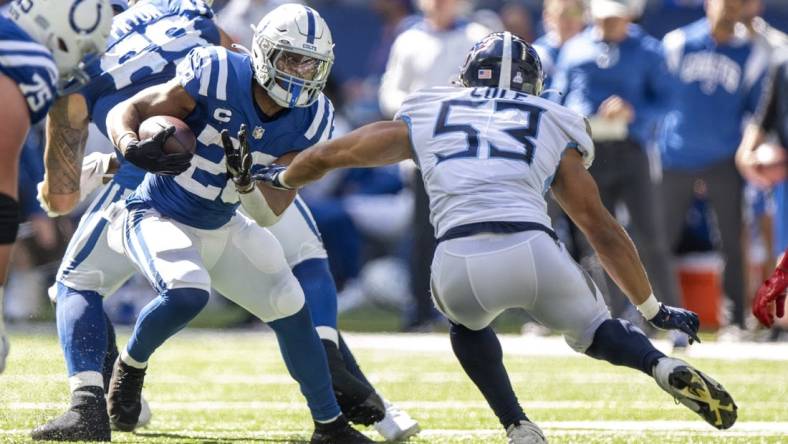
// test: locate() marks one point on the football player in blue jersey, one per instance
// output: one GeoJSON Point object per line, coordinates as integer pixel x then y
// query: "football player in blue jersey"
{"type": "Point", "coordinates": [183, 231]}
{"type": "Point", "coordinates": [42, 42]}
{"type": "Point", "coordinates": [91, 270]}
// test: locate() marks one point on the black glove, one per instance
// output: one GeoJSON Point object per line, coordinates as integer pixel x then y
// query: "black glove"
{"type": "Point", "coordinates": [271, 175]}
{"type": "Point", "coordinates": [148, 155]}
{"type": "Point", "coordinates": [238, 160]}
{"type": "Point", "coordinates": [672, 318]}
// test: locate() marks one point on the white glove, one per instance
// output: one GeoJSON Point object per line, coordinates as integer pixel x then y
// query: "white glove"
{"type": "Point", "coordinates": [94, 171]}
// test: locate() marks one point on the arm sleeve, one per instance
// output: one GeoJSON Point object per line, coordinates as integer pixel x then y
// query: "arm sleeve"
{"type": "Point", "coordinates": [195, 72]}
{"type": "Point", "coordinates": [578, 130]}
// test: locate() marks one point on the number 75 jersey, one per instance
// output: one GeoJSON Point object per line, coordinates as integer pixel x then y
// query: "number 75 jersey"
{"type": "Point", "coordinates": [489, 154]}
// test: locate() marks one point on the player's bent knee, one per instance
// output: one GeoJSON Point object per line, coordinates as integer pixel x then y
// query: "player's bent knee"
{"type": "Point", "coordinates": [186, 300]}
{"type": "Point", "coordinates": [9, 219]}
{"type": "Point", "coordinates": [581, 339]}
{"type": "Point", "coordinates": [287, 298]}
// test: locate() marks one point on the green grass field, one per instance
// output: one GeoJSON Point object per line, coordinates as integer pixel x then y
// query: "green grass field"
{"type": "Point", "coordinates": [211, 386]}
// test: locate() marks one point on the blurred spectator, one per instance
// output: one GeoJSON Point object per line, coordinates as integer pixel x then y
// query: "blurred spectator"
{"type": "Point", "coordinates": [716, 72]}
{"type": "Point", "coordinates": [611, 72]}
{"type": "Point", "coordinates": [751, 17]}
{"type": "Point", "coordinates": [562, 20]}
{"type": "Point", "coordinates": [428, 54]}
{"type": "Point", "coordinates": [516, 19]}
{"type": "Point", "coordinates": [393, 15]}
{"type": "Point", "coordinates": [771, 119]}
{"type": "Point", "coordinates": [238, 16]}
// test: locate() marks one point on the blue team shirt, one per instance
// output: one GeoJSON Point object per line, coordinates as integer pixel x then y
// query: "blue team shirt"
{"type": "Point", "coordinates": [31, 66]}
{"type": "Point", "coordinates": [589, 70]}
{"type": "Point", "coordinates": [145, 45]}
{"type": "Point", "coordinates": [713, 87]}
{"type": "Point", "coordinates": [221, 82]}
{"type": "Point", "coordinates": [548, 48]}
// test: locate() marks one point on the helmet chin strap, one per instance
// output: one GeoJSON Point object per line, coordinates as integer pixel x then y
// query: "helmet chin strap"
{"type": "Point", "coordinates": [504, 81]}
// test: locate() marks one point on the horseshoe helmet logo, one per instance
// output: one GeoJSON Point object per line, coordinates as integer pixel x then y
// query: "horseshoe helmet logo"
{"type": "Point", "coordinates": [78, 27]}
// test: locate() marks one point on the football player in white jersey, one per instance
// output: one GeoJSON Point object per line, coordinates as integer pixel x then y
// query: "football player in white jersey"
{"type": "Point", "coordinates": [42, 44]}
{"type": "Point", "coordinates": [488, 151]}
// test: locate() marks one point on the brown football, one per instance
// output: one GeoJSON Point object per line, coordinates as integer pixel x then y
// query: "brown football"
{"type": "Point", "coordinates": [181, 141]}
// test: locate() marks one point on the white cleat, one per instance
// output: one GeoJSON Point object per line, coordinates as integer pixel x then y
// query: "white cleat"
{"type": "Point", "coordinates": [145, 415]}
{"type": "Point", "coordinates": [697, 391]}
{"type": "Point", "coordinates": [4, 346]}
{"type": "Point", "coordinates": [525, 432]}
{"type": "Point", "coordinates": [397, 425]}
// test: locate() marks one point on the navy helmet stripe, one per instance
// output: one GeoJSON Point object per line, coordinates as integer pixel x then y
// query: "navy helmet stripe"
{"type": "Point", "coordinates": [310, 26]}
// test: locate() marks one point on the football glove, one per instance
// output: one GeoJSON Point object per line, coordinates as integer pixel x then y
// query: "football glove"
{"type": "Point", "coordinates": [673, 318]}
{"type": "Point", "coordinates": [238, 160]}
{"type": "Point", "coordinates": [272, 175]}
{"type": "Point", "coordinates": [773, 291]}
{"type": "Point", "coordinates": [148, 155]}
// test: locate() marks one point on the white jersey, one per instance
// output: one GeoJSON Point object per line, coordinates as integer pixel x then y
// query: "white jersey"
{"type": "Point", "coordinates": [488, 154]}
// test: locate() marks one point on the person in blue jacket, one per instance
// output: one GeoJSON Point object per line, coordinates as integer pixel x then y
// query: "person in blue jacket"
{"type": "Point", "coordinates": [716, 72]}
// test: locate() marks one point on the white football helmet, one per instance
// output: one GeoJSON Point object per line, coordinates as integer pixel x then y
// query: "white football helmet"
{"type": "Point", "coordinates": [292, 54]}
{"type": "Point", "coordinates": [72, 30]}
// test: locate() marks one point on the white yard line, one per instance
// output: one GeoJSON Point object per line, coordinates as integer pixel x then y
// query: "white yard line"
{"type": "Point", "coordinates": [555, 346]}
{"type": "Point", "coordinates": [407, 405]}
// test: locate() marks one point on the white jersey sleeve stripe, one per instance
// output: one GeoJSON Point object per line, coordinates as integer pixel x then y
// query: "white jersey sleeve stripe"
{"type": "Point", "coordinates": [205, 79]}
{"type": "Point", "coordinates": [15, 45]}
{"type": "Point", "coordinates": [221, 83]}
{"type": "Point", "coordinates": [329, 124]}
{"type": "Point", "coordinates": [36, 61]}
{"type": "Point", "coordinates": [312, 130]}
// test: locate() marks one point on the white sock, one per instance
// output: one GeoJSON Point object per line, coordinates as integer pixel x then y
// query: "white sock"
{"type": "Point", "coordinates": [86, 379]}
{"type": "Point", "coordinates": [329, 420]}
{"type": "Point", "coordinates": [131, 362]}
{"type": "Point", "coordinates": [328, 333]}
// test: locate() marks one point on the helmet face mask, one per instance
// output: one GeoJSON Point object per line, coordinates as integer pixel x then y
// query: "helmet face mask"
{"type": "Point", "coordinates": [292, 54]}
{"type": "Point", "coordinates": [505, 61]}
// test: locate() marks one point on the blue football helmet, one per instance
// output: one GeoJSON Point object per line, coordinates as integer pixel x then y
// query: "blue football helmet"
{"type": "Point", "coordinates": [505, 61]}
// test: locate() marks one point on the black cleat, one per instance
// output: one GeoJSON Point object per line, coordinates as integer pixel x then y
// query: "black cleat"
{"type": "Point", "coordinates": [357, 399]}
{"type": "Point", "coordinates": [85, 420]}
{"type": "Point", "coordinates": [697, 391]}
{"type": "Point", "coordinates": [124, 396]}
{"type": "Point", "coordinates": [337, 432]}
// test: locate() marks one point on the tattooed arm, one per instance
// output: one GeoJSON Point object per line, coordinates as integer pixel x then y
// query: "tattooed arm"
{"type": "Point", "coordinates": [67, 132]}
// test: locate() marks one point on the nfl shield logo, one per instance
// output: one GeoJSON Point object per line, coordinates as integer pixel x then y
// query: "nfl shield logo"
{"type": "Point", "coordinates": [258, 132]}
{"type": "Point", "coordinates": [484, 74]}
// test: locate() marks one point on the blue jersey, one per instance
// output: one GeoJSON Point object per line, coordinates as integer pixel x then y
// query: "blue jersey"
{"type": "Point", "coordinates": [221, 83]}
{"type": "Point", "coordinates": [30, 65]}
{"type": "Point", "coordinates": [145, 45]}
{"type": "Point", "coordinates": [589, 70]}
{"type": "Point", "coordinates": [713, 88]}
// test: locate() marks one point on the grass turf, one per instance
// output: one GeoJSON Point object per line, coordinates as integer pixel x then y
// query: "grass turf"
{"type": "Point", "coordinates": [209, 386]}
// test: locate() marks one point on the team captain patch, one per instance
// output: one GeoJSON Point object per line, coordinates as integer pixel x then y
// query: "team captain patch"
{"type": "Point", "coordinates": [484, 74]}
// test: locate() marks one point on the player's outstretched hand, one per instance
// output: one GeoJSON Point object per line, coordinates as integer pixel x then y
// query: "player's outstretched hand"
{"type": "Point", "coordinates": [149, 155]}
{"type": "Point", "coordinates": [770, 299]}
{"type": "Point", "coordinates": [673, 318]}
{"type": "Point", "coordinates": [272, 175]}
{"type": "Point", "coordinates": [238, 160]}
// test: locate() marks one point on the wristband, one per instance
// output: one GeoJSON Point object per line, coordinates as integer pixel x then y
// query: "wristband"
{"type": "Point", "coordinates": [650, 307]}
{"type": "Point", "coordinates": [281, 179]}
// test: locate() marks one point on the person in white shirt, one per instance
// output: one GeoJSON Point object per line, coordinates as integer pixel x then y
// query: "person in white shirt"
{"type": "Point", "coordinates": [427, 54]}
